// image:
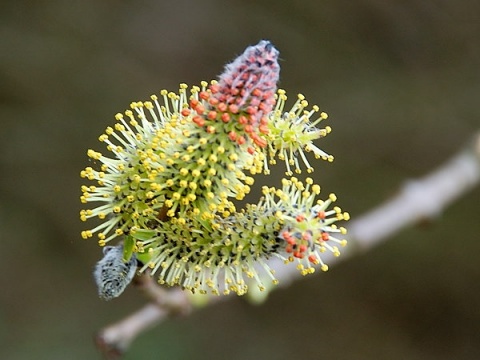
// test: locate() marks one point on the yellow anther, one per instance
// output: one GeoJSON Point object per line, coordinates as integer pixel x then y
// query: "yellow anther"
{"type": "Point", "coordinates": [249, 180]}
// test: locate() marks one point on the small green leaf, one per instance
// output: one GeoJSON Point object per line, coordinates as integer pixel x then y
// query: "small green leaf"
{"type": "Point", "coordinates": [128, 245]}
{"type": "Point", "coordinates": [141, 234]}
{"type": "Point", "coordinates": [145, 257]}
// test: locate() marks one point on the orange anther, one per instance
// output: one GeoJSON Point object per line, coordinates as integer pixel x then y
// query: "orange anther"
{"type": "Point", "coordinates": [222, 107]}
{"type": "Point", "coordinates": [263, 129]}
{"type": "Point", "coordinates": [214, 88]}
{"type": "Point", "coordinates": [243, 120]}
{"type": "Point", "coordinates": [233, 108]}
{"type": "Point", "coordinates": [232, 135]}
{"type": "Point", "coordinates": [291, 240]}
{"type": "Point", "coordinates": [213, 101]}
{"type": "Point", "coordinates": [199, 120]}
{"type": "Point", "coordinates": [200, 109]}
{"type": "Point", "coordinates": [225, 117]}
{"type": "Point", "coordinates": [212, 115]}
{"type": "Point", "coordinates": [256, 92]}
{"type": "Point", "coordinates": [260, 141]}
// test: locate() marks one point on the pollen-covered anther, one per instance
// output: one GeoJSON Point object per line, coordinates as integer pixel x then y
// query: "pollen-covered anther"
{"type": "Point", "coordinates": [233, 108]}
{"type": "Point", "coordinates": [232, 135]}
{"type": "Point", "coordinates": [313, 259]}
{"type": "Point", "coordinates": [210, 129]}
{"type": "Point", "coordinates": [300, 218]}
{"type": "Point", "coordinates": [225, 117]}
{"type": "Point", "coordinates": [243, 120]}
{"type": "Point", "coordinates": [241, 140]}
{"type": "Point", "coordinates": [204, 95]}
{"type": "Point", "coordinates": [200, 121]}
{"type": "Point", "coordinates": [298, 255]}
{"type": "Point", "coordinates": [263, 129]}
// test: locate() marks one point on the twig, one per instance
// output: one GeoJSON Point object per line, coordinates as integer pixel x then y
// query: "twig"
{"type": "Point", "coordinates": [115, 339]}
{"type": "Point", "coordinates": [421, 199]}
{"type": "Point", "coordinates": [418, 200]}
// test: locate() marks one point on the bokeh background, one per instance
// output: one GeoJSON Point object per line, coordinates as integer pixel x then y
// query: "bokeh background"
{"type": "Point", "coordinates": [401, 83]}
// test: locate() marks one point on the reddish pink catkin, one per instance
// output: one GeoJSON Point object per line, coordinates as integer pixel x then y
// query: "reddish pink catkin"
{"type": "Point", "coordinates": [249, 83]}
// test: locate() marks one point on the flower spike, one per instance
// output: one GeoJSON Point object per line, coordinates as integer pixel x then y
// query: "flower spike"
{"type": "Point", "coordinates": [174, 167]}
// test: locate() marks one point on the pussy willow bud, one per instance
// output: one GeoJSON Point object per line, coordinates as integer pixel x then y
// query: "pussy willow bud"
{"type": "Point", "coordinates": [176, 164]}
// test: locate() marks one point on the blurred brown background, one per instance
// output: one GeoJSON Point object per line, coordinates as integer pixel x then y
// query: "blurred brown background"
{"type": "Point", "coordinates": [400, 81]}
